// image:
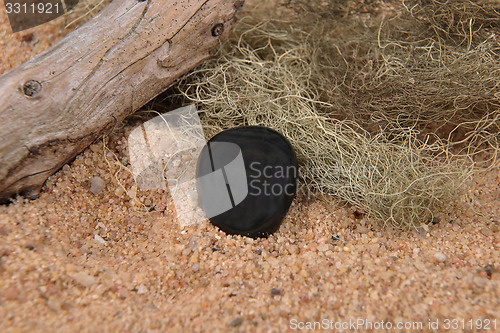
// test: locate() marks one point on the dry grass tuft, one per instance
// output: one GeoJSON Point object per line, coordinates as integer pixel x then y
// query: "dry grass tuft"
{"type": "Point", "coordinates": [384, 111]}
{"type": "Point", "coordinates": [463, 22]}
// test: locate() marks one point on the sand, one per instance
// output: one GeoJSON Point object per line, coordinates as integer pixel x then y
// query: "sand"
{"type": "Point", "coordinates": [96, 254]}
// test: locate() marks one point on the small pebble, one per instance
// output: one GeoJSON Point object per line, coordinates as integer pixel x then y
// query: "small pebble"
{"type": "Point", "coordinates": [195, 267]}
{"type": "Point", "coordinates": [10, 293]}
{"type": "Point", "coordinates": [323, 247]}
{"type": "Point", "coordinates": [54, 304]}
{"type": "Point", "coordinates": [119, 192]}
{"type": "Point", "coordinates": [96, 185]}
{"type": "Point", "coordinates": [194, 258]}
{"type": "Point", "coordinates": [480, 283]}
{"type": "Point", "coordinates": [84, 279]}
{"type": "Point", "coordinates": [141, 290]}
{"type": "Point", "coordinates": [362, 229]}
{"type": "Point", "coordinates": [486, 231]}
{"type": "Point", "coordinates": [294, 249]}
{"type": "Point", "coordinates": [440, 257]}
{"type": "Point", "coordinates": [275, 292]}
{"type": "Point", "coordinates": [193, 243]}
{"type": "Point", "coordinates": [100, 240]}
{"type": "Point", "coordinates": [236, 322]}
{"type": "Point", "coordinates": [4, 231]}
{"type": "Point", "coordinates": [488, 269]}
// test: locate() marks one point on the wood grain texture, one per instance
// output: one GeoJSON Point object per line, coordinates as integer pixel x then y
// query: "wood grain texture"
{"type": "Point", "coordinates": [55, 105]}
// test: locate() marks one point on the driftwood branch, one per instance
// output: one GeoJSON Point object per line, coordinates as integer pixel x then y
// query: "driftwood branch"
{"type": "Point", "coordinates": [58, 103]}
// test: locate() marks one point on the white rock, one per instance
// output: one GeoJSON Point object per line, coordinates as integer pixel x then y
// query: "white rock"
{"type": "Point", "coordinates": [100, 240]}
{"type": "Point", "coordinates": [84, 279]}
{"type": "Point", "coordinates": [440, 257]}
{"type": "Point", "coordinates": [141, 290]}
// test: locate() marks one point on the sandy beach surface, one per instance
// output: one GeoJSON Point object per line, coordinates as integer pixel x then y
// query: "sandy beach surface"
{"type": "Point", "coordinates": [94, 253]}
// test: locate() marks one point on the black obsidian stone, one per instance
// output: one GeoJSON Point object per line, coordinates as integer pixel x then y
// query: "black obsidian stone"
{"type": "Point", "coordinates": [246, 179]}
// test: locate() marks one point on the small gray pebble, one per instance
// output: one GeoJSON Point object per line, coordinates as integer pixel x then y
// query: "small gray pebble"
{"type": "Point", "coordinates": [489, 269]}
{"type": "Point", "coordinates": [96, 185]}
{"type": "Point", "coordinates": [275, 292]}
{"type": "Point", "coordinates": [236, 322]}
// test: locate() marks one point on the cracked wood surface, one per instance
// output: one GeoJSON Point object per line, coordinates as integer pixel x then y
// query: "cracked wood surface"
{"type": "Point", "coordinates": [55, 105]}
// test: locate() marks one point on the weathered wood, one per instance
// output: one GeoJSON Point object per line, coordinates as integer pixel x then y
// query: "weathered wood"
{"type": "Point", "coordinates": [55, 105]}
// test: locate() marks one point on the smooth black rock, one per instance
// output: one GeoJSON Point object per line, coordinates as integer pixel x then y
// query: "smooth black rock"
{"type": "Point", "coordinates": [246, 180]}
